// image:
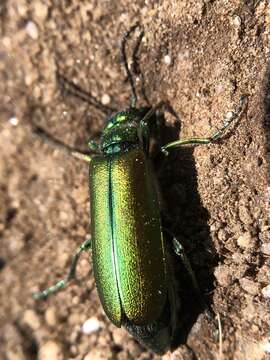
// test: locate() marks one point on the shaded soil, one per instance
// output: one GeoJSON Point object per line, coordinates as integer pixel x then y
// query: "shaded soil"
{"type": "Point", "coordinates": [199, 56]}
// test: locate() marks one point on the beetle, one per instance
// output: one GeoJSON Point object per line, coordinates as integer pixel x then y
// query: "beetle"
{"type": "Point", "coordinates": [131, 260]}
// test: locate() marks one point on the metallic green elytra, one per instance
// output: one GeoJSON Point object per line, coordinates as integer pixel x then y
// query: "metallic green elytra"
{"type": "Point", "coordinates": [131, 262]}
{"type": "Point", "coordinates": [125, 230]}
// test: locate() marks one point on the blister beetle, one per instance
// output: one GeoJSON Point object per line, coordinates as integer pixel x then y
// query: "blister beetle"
{"type": "Point", "coordinates": [131, 266]}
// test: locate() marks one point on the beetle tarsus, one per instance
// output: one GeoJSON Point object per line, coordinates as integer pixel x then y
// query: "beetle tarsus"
{"type": "Point", "coordinates": [50, 290]}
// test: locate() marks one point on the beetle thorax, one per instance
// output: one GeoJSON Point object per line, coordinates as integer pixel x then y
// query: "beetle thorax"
{"type": "Point", "coordinates": [121, 132]}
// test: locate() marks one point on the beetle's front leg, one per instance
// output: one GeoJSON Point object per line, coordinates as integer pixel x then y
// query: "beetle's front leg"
{"type": "Point", "coordinates": [42, 134]}
{"type": "Point", "coordinates": [70, 276]}
{"type": "Point", "coordinates": [152, 111]}
{"type": "Point", "coordinates": [231, 116]}
{"type": "Point", "coordinates": [144, 125]}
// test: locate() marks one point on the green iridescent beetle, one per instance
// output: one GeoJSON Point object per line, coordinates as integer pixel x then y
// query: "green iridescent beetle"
{"type": "Point", "coordinates": [132, 268]}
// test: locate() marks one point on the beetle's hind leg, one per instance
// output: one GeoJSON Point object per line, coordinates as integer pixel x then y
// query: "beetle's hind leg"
{"type": "Point", "coordinates": [180, 251]}
{"type": "Point", "coordinates": [70, 276]}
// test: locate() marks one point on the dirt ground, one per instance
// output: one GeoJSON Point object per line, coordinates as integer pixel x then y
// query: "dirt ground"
{"type": "Point", "coordinates": [200, 56]}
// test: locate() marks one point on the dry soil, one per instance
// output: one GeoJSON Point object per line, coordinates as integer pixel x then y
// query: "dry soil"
{"type": "Point", "coordinates": [200, 56]}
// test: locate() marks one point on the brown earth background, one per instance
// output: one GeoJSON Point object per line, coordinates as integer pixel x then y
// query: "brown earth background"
{"type": "Point", "coordinates": [200, 56]}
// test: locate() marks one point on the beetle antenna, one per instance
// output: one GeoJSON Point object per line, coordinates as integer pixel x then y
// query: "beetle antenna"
{"type": "Point", "coordinates": [70, 88]}
{"type": "Point", "coordinates": [136, 70]}
{"type": "Point", "coordinates": [124, 60]}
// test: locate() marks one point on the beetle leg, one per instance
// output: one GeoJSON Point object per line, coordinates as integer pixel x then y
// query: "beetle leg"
{"type": "Point", "coordinates": [71, 275]}
{"type": "Point", "coordinates": [144, 129]}
{"type": "Point", "coordinates": [94, 146]}
{"type": "Point", "coordinates": [195, 141]}
{"type": "Point", "coordinates": [143, 133]}
{"type": "Point", "coordinates": [63, 147]}
{"type": "Point", "coordinates": [152, 111]}
{"type": "Point", "coordinates": [179, 250]}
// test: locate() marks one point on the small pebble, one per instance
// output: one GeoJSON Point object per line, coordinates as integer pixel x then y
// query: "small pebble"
{"type": "Point", "coordinates": [254, 328]}
{"type": "Point", "coordinates": [223, 275]}
{"type": "Point", "coordinates": [74, 336]}
{"type": "Point", "coordinates": [229, 115]}
{"type": "Point", "coordinates": [266, 248]}
{"type": "Point", "coordinates": [32, 30]}
{"type": "Point", "coordinates": [50, 316]}
{"type": "Point", "coordinates": [237, 258]}
{"type": "Point", "coordinates": [50, 351]}
{"type": "Point", "coordinates": [244, 215]}
{"type": "Point", "coordinates": [63, 215]}
{"type": "Point", "coordinates": [14, 121]}
{"type": "Point", "coordinates": [246, 241]}
{"type": "Point", "coordinates": [17, 244]}
{"type": "Point", "coordinates": [263, 274]}
{"type": "Point", "coordinates": [249, 286]}
{"type": "Point", "coordinates": [237, 20]}
{"type": "Point", "coordinates": [91, 325]}
{"type": "Point", "coordinates": [105, 99]}
{"type": "Point", "coordinates": [74, 349]}
{"type": "Point", "coordinates": [74, 319]}
{"type": "Point", "coordinates": [134, 349]}
{"type": "Point", "coordinates": [266, 346]}
{"type": "Point", "coordinates": [215, 226]}
{"type": "Point", "coordinates": [40, 9]}
{"type": "Point", "coordinates": [75, 300]}
{"type": "Point", "coordinates": [266, 292]}
{"type": "Point", "coordinates": [31, 319]}
{"type": "Point", "coordinates": [265, 227]}
{"type": "Point", "coordinates": [119, 336]}
{"type": "Point", "coordinates": [167, 60]}
{"type": "Point", "coordinates": [222, 235]}
{"type": "Point", "coordinates": [98, 354]}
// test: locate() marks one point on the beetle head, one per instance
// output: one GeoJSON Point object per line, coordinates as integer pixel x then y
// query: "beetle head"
{"type": "Point", "coordinates": [120, 132]}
